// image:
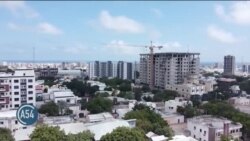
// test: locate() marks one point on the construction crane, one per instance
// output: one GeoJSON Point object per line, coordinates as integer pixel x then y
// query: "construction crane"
{"type": "Point", "coordinates": [151, 59]}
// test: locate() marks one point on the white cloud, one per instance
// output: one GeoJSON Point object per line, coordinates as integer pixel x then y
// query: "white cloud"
{"type": "Point", "coordinates": [238, 12]}
{"type": "Point", "coordinates": [44, 28]}
{"type": "Point", "coordinates": [19, 8]}
{"type": "Point", "coordinates": [221, 35]}
{"type": "Point", "coordinates": [77, 48]}
{"type": "Point", "coordinates": [157, 12]}
{"type": "Point", "coordinates": [48, 28]}
{"type": "Point", "coordinates": [120, 24]}
{"type": "Point", "coordinates": [121, 48]}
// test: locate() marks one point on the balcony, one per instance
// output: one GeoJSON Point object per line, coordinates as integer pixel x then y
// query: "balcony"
{"type": "Point", "coordinates": [4, 88]}
{"type": "Point", "coordinates": [4, 100]}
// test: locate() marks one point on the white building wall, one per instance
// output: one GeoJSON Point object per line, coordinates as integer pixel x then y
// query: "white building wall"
{"type": "Point", "coordinates": [91, 69]}
{"type": "Point", "coordinates": [114, 65]}
{"type": "Point", "coordinates": [125, 70]}
{"type": "Point", "coordinates": [21, 88]}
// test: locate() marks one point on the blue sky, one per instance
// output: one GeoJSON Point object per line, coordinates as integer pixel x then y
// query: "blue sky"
{"type": "Point", "coordinates": [111, 30]}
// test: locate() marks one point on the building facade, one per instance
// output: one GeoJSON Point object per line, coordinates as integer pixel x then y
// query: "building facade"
{"type": "Point", "coordinates": [17, 88]}
{"type": "Point", "coordinates": [120, 69]}
{"type": "Point", "coordinates": [209, 128]}
{"type": "Point", "coordinates": [169, 68]}
{"type": "Point", "coordinates": [229, 65]}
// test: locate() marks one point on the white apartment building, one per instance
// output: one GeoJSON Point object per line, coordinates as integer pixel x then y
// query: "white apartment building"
{"type": "Point", "coordinates": [209, 128]}
{"type": "Point", "coordinates": [188, 89]}
{"type": "Point", "coordinates": [171, 105]}
{"type": "Point", "coordinates": [17, 88]}
{"type": "Point", "coordinates": [168, 68]}
{"type": "Point", "coordinates": [110, 69]}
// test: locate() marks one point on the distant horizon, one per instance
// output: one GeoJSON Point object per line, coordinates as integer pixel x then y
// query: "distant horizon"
{"type": "Point", "coordinates": [71, 61]}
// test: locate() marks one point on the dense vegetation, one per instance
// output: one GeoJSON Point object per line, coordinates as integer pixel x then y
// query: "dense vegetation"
{"type": "Point", "coordinates": [5, 135]}
{"type": "Point", "coordinates": [99, 105]}
{"type": "Point", "coordinates": [81, 88]}
{"type": "Point", "coordinates": [50, 109]}
{"type": "Point", "coordinates": [124, 134]}
{"type": "Point", "coordinates": [53, 133]}
{"type": "Point", "coordinates": [147, 120]}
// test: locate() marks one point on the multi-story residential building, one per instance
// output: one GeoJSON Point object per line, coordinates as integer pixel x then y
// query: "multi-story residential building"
{"type": "Point", "coordinates": [17, 88]}
{"type": "Point", "coordinates": [169, 68]}
{"type": "Point", "coordinates": [48, 72]}
{"type": "Point", "coordinates": [229, 65]}
{"type": "Point", "coordinates": [244, 68]}
{"type": "Point", "coordinates": [248, 69]}
{"type": "Point", "coordinates": [209, 128]}
{"type": "Point", "coordinates": [120, 69]}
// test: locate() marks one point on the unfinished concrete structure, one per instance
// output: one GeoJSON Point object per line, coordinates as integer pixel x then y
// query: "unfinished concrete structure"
{"type": "Point", "coordinates": [168, 68]}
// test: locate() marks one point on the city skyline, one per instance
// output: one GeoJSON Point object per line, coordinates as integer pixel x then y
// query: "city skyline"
{"type": "Point", "coordinates": [104, 30]}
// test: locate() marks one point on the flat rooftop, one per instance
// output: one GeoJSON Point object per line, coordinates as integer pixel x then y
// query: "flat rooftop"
{"type": "Point", "coordinates": [176, 53]}
{"type": "Point", "coordinates": [8, 114]}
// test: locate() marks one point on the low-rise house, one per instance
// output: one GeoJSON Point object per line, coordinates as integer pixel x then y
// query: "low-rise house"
{"type": "Point", "coordinates": [187, 89]}
{"type": "Point", "coordinates": [171, 105]}
{"type": "Point", "coordinates": [99, 129]}
{"type": "Point", "coordinates": [154, 137]}
{"type": "Point", "coordinates": [235, 89]}
{"type": "Point", "coordinates": [209, 128]}
{"type": "Point", "coordinates": [92, 118]}
{"type": "Point", "coordinates": [8, 120]}
{"type": "Point", "coordinates": [182, 138]}
{"type": "Point", "coordinates": [101, 86]}
{"type": "Point", "coordinates": [242, 101]}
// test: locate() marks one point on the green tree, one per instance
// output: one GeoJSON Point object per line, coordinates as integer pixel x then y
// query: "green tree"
{"type": "Point", "coordinates": [50, 108]}
{"type": "Point", "coordinates": [108, 89]}
{"type": "Point", "coordinates": [47, 133]}
{"type": "Point", "coordinates": [125, 87]}
{"type": "Point", "coordinates": [127, 95]}
{"type": "Point", "coordinates": [5, 135]}
{"type": "Point", "coordinates": [145, 88]}
{"type": "Point", "coordinates": [62, 105]}
{"type": "Point", "coordinates": [124, 134]}
{"type": "Point", "coordinates": [77, 87]}
{"type": "Point", "coordinates": [83, 136]}
{"type": "Point", "coordinates": [165, 95]}
{"type": "Point", "coordinates": [147, 120]}
{"type": "Point", "coordinates": [188, 111]}
{"type": "Point", "coordinates": [99, 104]}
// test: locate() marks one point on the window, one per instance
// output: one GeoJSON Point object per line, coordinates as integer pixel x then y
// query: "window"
{"type": "Point", "coordinates": [30, 86]}
{"type": "Point", "coordinates": [16, 99]}
{"type": "Point", "coordinates": [16, 93]}
{"type": "Point", "coordinates": [16, 122]}
{"type": "Point", "coordinates": [200, 130]}
{"type": "Point", "coordinates": [30, 80]}
{"type": "Point", "coordinates": [16, 87]}
{"type": "Point", "coordinates": [10, 81]}
{"type": "Point", "coordinates": [1, 122]}
{"type": "Point", "coordinates": [30, 98]}
{"type": "Point", "coordinates": [30, 92]}
{"type": "Point", "coordinates": [194, 127]}
{"type": "Point", "coordinates": [16, 105]}
{"type": "Point", "coordinates": [16, 81]}
{"type": "Point", "coordinates": [68, 100]}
